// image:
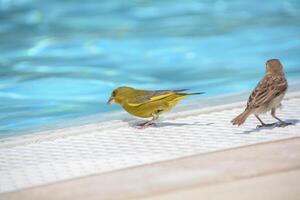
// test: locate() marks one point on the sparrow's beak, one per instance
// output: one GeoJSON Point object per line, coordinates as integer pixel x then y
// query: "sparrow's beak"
{"type": "Point", "coordinates": [111, 100]}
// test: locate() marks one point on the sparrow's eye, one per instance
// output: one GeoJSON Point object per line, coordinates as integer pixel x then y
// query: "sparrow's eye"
{"type": "Point", "coordinates": [114, 93]}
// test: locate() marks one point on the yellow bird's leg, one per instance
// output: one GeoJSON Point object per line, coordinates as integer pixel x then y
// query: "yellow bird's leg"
{"type": "Point", "coordinates": [149, 123]}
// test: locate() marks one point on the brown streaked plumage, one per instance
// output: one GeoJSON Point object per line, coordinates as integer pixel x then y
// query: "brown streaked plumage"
{"type": "Point", "coordinates": [267, 95]}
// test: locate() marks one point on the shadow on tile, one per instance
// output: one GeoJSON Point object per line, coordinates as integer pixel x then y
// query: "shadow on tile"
{"type": "Point", "coordinates": [134, 124]}
{"type": "Point", "coordinates": [292, 122]}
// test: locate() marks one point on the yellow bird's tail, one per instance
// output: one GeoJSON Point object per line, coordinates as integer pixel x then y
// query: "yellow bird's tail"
{"type": "Point", "coordinates": [196, 93]}
{"type": "Point", "coordinates": [173, 99]}
{"type": "Point", "coordinates": [182, 95]}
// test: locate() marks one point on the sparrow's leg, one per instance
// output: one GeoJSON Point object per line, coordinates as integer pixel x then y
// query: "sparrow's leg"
{"type": "Point", "coordinates": [281, 123]}
{"type": "Point", "coordinates": [149, 123]}
{"type": "Point", "coordinates": [262, 123]}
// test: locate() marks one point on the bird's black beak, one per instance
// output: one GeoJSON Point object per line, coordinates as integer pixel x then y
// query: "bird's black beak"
{"type": "Point", "coordinates": [111, 100]}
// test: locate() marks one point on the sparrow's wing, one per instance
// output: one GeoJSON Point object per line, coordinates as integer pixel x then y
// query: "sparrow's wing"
{"type": "Point", "coordinates": [146, 96]}
{"type": "Point", "coordinates": [266, 90]}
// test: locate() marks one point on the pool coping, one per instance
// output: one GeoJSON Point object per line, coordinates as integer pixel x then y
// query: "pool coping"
{"type": "Point", "coordinates": [164, 180]}
{"type": "Point", "coordinates": [67, 134]}
{"type": "Point", "coordinates": [106, 125]}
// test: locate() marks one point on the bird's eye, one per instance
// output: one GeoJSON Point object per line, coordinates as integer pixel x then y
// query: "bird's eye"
{"type": "Point", "coordinates": [114, 93]}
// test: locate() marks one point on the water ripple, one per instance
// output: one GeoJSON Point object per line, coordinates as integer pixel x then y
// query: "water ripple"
{"type": "Point", "coordinates": [61, 59]}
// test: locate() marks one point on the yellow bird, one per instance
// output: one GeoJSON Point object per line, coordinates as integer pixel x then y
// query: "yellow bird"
{"type": "Point", "coordinates": [146, 103]}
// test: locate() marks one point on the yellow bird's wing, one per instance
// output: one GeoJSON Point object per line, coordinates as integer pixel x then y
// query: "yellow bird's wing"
{"type": "Point", "coordinates": [144, 96]}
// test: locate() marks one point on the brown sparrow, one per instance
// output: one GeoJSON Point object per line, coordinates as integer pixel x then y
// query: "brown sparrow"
{"type": "Point", "coordinates": [267, 95]}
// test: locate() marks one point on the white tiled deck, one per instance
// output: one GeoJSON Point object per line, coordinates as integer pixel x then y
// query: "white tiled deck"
{"type": "Point", "coordinates": [103, 147]}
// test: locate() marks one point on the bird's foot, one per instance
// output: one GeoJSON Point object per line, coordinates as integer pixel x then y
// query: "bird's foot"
{"type": "Point", "coordinates": [146, 125]}
{"type": "Point", "coordinates": [265, 125]}
{"type": "Point", "coordinates": [284, 124]}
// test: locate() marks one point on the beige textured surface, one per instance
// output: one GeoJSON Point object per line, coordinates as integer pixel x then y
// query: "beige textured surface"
{"type": "Point", "coordinates": [281, 186]}
{"type": "Point", "coordinates": [239, 170]}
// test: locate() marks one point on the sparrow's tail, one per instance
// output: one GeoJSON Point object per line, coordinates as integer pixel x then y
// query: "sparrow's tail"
{"type": "Point", "coordinates": [239, 120]}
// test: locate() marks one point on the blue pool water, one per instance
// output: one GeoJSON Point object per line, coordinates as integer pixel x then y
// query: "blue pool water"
{"type": "Point", "coordinates": [60, 59]}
